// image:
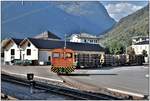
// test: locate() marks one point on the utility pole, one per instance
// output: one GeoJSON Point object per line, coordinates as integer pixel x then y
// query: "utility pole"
{"type": "Point", "coordinates": [22, 2]}
{"type": "Point", "coordinates": [65, 42]}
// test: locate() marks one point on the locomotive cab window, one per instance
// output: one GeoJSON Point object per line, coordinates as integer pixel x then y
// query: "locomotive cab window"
{"type": "Point", "coordinates": [56, 55]}
{"type": "Point", "coordinates": [68, 55]}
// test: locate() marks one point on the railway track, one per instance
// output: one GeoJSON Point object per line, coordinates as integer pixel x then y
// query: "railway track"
{"type": "Point", "coordinates": [68, 92]}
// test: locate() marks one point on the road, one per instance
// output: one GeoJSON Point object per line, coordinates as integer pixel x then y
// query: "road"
{"type": "Point", "coordinates": [132, 79]}
{"type": "Point", "coordinates": [42, 71]}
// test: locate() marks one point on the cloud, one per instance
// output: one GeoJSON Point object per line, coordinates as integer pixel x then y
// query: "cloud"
{"type": "Point", "coordinates": [119, 10]}
{"type": "Point", "coordinates": [74, 7]}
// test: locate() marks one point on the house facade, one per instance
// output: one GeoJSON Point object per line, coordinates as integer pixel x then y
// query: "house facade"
{"type": "Point", "coordinates": [11, 50]}
{"type": "Point", "coordinates": [84, 38]}
{"type": "Point", "coordinates": [28, 50]}
{"type": "Point", "coordinates": [140, 47]}
{"type": "Point", "coordinates": [140, 44]}
{"type": "Point", "coordinates": [32, 50]}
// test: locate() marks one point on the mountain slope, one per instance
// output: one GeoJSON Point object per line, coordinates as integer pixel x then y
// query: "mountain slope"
{"type": "Point", "coordinates": [136, 24]}
{"type": "Point", "coordinates": [31, 18]}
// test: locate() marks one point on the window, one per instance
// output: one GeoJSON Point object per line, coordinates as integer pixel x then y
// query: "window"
{"type": "Point", "coordinates": [49, 58]}
{"type": "Point", "coordinates": [95, 41]}
{"type": "Point", "coordinates": [56, 55]}
{"type": "Point", "coordinates": [91, 40]}
{"type": "Point", "coordinates": [68, 55]}
{"type": "Point", "coordinates": [12, 51]}
{"type": "Point", "coordinates": [28, 51]}
{"type": "Point", "coordinates": [85, 40]}
{"type": "Point", "coordinates": [29, 44]}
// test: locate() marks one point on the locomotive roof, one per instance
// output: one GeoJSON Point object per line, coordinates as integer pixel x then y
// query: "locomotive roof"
{"type": "Point", "coordinates": [52, 44]}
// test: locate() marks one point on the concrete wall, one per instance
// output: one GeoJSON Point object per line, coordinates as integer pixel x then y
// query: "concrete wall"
{"type": "Point", "coordinates": [7, 53]}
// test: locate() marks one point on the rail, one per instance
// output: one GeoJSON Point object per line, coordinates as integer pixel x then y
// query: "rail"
{"type": "Point", "coordinates": [68, 92]}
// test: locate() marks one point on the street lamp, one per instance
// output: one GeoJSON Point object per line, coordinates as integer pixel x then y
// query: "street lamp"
{"type": "Point", "coordinates": [30, 77]}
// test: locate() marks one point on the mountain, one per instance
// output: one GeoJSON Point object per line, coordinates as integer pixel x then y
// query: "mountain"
{"type": "Point", "coordinates": [27, 19]}
{"type": "Point", "coordinates": [136, 24]}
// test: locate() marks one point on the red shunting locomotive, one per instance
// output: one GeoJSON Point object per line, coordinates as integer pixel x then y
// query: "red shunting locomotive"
{"type": "Point", "coordinates": [62, 60]}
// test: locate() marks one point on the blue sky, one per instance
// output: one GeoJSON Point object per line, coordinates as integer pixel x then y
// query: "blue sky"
{"type": "Point", "coordinates": [120, 9]}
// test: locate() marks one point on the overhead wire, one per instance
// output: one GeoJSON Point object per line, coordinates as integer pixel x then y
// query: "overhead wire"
{"type": "Point", "coordinates": [23, 15]}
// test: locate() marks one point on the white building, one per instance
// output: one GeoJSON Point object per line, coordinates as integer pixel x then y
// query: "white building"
{"type": "Point", "coordinates": [139, 47]}
{"type": "Point", "coordinates": [28, 50]}
{"type": "Point", "coordinates": [40, 49]}
{"type": "Point", "coordinates": [137, 39]}
{"type": "Point", "coordinates": [84, 38]}
{"type": "Point", "coordinates": [11, 50]}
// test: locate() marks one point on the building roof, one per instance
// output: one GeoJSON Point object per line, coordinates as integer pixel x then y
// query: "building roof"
{"type": "Point", "coordinates": [84, 35]}
{"type": "Point", "coordinates": [17, 41]}
{"type": "Point", "coordinates": [140, 37]}
{"type": "Point", "coordinates": [47, 35]}
{"type": "Point", "coordinates": [52, 44]}
{"type": "Point", "coordinates": [142, 43]}
{"type": "Point", "coordinates": [7, 41]}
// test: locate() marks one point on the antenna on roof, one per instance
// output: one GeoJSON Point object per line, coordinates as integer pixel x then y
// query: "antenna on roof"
{"type": "Point", "coordinates": [65, 42]}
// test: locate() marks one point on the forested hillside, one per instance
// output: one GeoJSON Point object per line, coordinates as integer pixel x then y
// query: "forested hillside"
{"type": "Point", "coordinates": [136, 24]}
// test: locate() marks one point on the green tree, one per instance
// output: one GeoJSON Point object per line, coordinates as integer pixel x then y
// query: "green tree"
{"type": "Point", "coordinates": [116, 48]}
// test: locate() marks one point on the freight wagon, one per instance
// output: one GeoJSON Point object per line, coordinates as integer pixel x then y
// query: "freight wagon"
{"type": "Point", "coordinates": [122, 59]}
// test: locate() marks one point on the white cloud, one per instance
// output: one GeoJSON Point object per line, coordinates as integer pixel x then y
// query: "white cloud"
{"type": "Point", "coordinates": [76, 8]}
{"type": "Point", "coordinates": [119, 10]}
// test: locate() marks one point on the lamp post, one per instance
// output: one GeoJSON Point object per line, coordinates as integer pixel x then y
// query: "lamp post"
{"type": "Point", "coordinates": [30, 77]}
